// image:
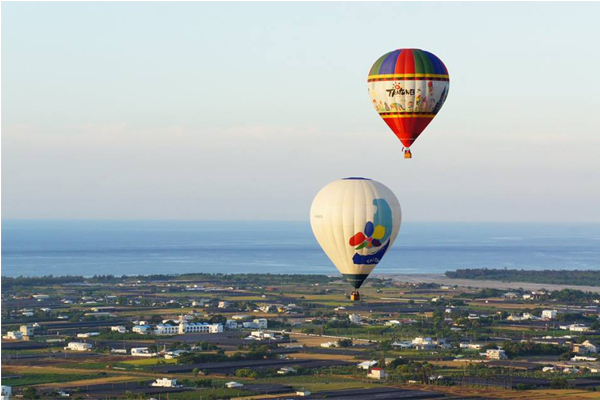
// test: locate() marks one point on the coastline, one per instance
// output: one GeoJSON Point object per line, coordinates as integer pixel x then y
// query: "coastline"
{"type": "Point", "coordinates": [444, 280]}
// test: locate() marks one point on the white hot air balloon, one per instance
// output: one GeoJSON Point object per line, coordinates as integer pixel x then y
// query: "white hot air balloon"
{"type": "Point", "coordinates": [355, 220]}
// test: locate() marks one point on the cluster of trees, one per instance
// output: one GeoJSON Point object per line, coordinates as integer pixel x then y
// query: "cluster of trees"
{"type": "Point", "coordinates": [517, 349]}
{"type": "Point", "coordinates": [483, 294]}
{"type": "Point", "coordinates": [255, 353]}
{"type": "Point", "coordinates": [9, 283]}
{"type": "Point", "coordinates": [573, 277]}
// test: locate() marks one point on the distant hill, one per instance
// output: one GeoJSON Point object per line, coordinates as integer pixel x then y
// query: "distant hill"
{"type": "Point", "coordinates": [551, 276]}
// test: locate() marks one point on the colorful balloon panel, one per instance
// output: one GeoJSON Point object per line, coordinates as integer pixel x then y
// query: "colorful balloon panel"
{"type": "Point", "coordinates": [355, 220]}
{"type": "Point", "coordinates": [408, 87]}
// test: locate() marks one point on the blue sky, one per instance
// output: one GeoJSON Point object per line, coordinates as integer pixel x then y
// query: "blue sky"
{"type": "Point", "coordinates": [245, 110]}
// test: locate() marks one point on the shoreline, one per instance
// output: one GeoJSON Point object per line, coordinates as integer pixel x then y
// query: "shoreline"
{"type": "Point", "coordinates": [438, 278]}
{"type": "Point", "coordinates": [484, 284]}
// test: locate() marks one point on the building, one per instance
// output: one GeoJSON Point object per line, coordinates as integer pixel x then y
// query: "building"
{"type": "Point", "coordinates": [495, 354]}
{"type": "Point", "coordinates": [13, 335]}
{"type": "Point", "coordinates": [583, 358]}
{"type": "Point", "coordinates": [119, 329]}
{"type": "Point", "coordinates": [141, 352]}
{"type": "Point", "coordinates": [6, 392]}
{"type": "Point", "coordinates": [261, 323]}
{"type": "Point", "coordinates": [141, 329]}
{"type": "Point", "coordinates": [575, 328]}
{"type": "Point", "coordinates": [87, 334]}
{"type": "Point", "coordinates": [377, 373]}
{"type": "Point", "coordinates": [286, 370]}
{"type": "Point", "coordinates": [174, 354]}
{"type": "Point", "coordinates": [260, 335]}
{"type": "Point", "coordinates": [184, 327]}
{"type": "Point", "coordinates": [223, 304]}
{"type": "Point", "coordinates": [233, 385]}
{"type": "Point", "coordinates": [231, 325]}
{"type": "Point", "coordinates": [329, 344]}
{"type": "Point", "coordinates": [421, 343]}
{"type": "Point", "coordinates": [165, 382]}
{"type": "Point", "coordinates": [79, 346]}
{"type": "Point", "coordinates": [26, 330]}
{"type": "Point", "coordinates": [367, 364]}
{"type": "Point", "coordinates": [470, 346]}
{"type": "Point", "coordinates": [549, 314]}
{"type": "Point", "coordinates": [592, 347]}
{"type": "Point", "coordinates": [355, 318]}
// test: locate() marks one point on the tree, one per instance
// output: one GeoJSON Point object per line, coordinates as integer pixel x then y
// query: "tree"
{"type": "Point", "coordinates": [195, 371]}
{"type": "Point", "coordinates": [30, 393]}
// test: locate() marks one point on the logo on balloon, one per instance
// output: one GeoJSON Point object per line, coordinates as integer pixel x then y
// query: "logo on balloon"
{"type": "Point", "coordinates": [398, 89]}
{"type": "Point", "coordinates": [375, 233]}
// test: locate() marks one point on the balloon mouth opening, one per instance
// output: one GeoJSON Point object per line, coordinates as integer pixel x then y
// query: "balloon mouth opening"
{"type": "Point", "coordinates": [356, 178]}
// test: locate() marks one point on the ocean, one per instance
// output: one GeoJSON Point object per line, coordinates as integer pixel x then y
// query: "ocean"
{"type": "Point", "coordinates": [35, 248]}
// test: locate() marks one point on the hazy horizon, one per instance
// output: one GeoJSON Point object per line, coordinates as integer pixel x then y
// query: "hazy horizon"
{"type": "Point", "coordinates": [244, 111]}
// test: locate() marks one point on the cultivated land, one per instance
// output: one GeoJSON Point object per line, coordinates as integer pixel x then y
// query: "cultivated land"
{"type": "Point", "coordinates": [417, 336]}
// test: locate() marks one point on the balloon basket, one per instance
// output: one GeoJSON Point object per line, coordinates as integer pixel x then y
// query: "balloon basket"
{"type": "Point", "coordinates": [355, 296]}
{"type": "Point", "coordinates": [407, 154]}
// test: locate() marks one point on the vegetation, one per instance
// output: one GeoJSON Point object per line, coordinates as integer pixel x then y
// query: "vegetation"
{"type": "Point", "coordinates": [574, 277]}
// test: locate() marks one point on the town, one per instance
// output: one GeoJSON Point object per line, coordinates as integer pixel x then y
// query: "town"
{"type": "Point", "coordinates": [218, 336]}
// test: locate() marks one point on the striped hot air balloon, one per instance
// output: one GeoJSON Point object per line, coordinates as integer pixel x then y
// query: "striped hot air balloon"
{"type": "Point", "coordinates": [408, 87]}
{"type": "Point", "coordinates": [355, 220]}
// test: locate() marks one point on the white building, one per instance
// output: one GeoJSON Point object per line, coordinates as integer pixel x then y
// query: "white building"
{"type": "Point", "coordinates": [495, 354]}
{"type": "Point", "coordinates": [583, 358]}
{"type": "Point", "coordinates": [79, 346]}
{"type": "Point", "coordinates": [233, 385]}
{"type": "Point", "coordinates": [165, 382]}
{"type": "Point", "coordinates": [223, 304]}
{"type": "Point", "coordinates": [377, 373]}
{"type": "Point", "coordinates": [329, 344]}
{"type": "Point", "coordinates": [470, 346]}
{"type": "Point", "coordinates": [13, 335]}
{"type": "Point", "coordinates": [549, 314]}
{"type": "Point", "coordinates": [367, 364]}
{"type": "Point", "coordinates": [286, 370]}
{"type": "Point", "coordinates": [355, 318]}
{"type": "Point", "coordinates": [185, 327]}
{"type": "Point", "coordinates": [590, 346]}
{"type": "Point", "coordinates": [575, 327]}
{"type": "Point", "coordinates": [5, 393]}
{"type": "Point", "coordinates": [87, 334]}
{"type": "Point", "coordinates": [120, 329]}
{"type": "Point", "coordinates": [261, 323]}
{"type": "Point", "coordinates": [260, 335]}
{"type": "Point", "coordinates": [174, 354]}
{"type": "Point", "coordinates": [141, 352]}
{"type": "Point", "coordinates": [421, 343]}
{"type": "Point", "coordinates": [141, 329]}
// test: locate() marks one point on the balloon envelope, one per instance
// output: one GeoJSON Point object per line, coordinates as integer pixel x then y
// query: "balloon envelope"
{"type": "Point", "coordinates": [355, 220]}
{"type": "Point", "coordinates": [407, 88]}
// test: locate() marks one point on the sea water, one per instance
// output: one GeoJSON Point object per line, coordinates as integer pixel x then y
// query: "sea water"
{"type": "Point", "coordinates": [34, 248]}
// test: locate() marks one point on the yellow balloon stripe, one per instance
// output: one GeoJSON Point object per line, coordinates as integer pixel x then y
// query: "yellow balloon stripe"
{"type": "Point", "coordinates": [395, 76]}
{"type": "Point", "coordinates": [407, 115]}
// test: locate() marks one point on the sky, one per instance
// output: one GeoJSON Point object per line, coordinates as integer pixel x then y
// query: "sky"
{"type": "Point", "coordinates": [228, 111]}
